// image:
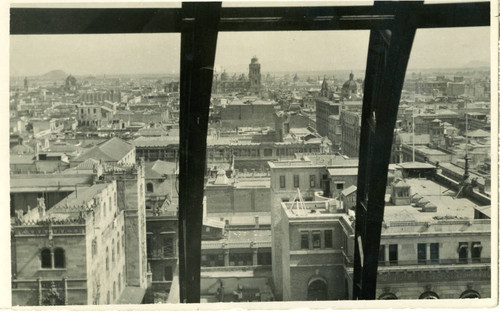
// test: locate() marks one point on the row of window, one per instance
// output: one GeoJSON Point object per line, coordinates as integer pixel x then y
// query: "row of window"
{"type": "Point", "coordinates": [430, 253]}
{"type": "Point", "coordinates": [235, 259]}
{"type": "Point", "coordinates": [111, 200]}
{"type": "Point", "coordinates": [116, 290]}
{"type": "Point", "coordinates": [313, 239]}
{"type": "Point", "coordinates": [118, 251]}
{"type": "Point", "coordinates": [296, 181]}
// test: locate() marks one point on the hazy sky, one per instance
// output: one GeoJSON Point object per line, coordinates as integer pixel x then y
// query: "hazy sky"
{"type": "Point", "coordinates": [277, 51]}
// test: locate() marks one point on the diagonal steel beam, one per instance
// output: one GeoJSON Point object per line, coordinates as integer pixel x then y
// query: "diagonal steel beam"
{"type": "Point", "coordinates": [198, 43]}
{"type": "Point", "coordinates": [388, 55]}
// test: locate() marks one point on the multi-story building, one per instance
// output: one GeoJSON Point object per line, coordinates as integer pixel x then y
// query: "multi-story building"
{"type": "Point", "coordinates": [256, 113]}
{"type": "Point", "coordinates": [90, 221]}
{"type": "Point", "coordinates": [96, 115]}
{"type": "Point", "coordinates": [329, 174]}
{"type": "Point", "coordinates": [324, 109]}
{"type": "Point", "coordinates": [162, 252]}
{"type": "Point", "coordinates": [101, 96]}
{"type": "Point", "coordinates": [72, 253]}
{"type": "Point", "coordinates": [350, 123]}
{"type": "Point", "coordinates": [307, 240]}
{"type": "Point", "coordinates": [235, 152]}
{"type": "Point", "coordinates": [435, 242]}
{"type": "Point", "coordinates": [114, 151]}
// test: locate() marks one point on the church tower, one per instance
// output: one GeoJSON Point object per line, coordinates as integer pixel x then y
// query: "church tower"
{"type": "Point", "coordinates": [254, 75]}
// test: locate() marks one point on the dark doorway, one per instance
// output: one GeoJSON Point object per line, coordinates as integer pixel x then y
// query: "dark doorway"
{"type": "Point", "coordinates": [317, 290]}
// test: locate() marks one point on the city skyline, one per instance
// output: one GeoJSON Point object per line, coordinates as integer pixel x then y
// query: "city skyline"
{"type": "Point", "coordinates": [279, 51]}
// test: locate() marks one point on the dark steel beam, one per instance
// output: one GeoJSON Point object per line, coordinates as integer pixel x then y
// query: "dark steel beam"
{"type": "Point", "coordinates": [198, 44]}
{"type": "Point", "coordinates": [388, 56]}
{"type": "Point", "coordinates": [161, 20]}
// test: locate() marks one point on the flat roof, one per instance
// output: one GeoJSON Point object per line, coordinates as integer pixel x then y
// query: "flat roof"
{"type": "Point", "coordinates": [242, 218]}
{"type": "Point", "coordinates": [415, 165]}
{"type": "Point", "coordinates": [253, 182]}
{"type": "Point", "coordinates": [343, 171]}
{"type": "Point", "coordinates": [48, 182]}
{"type": "Point", "coordinates": [443, 198]}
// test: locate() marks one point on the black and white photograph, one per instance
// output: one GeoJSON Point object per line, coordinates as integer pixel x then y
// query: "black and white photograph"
{"type": "Point", "coordinates": [268, 155]}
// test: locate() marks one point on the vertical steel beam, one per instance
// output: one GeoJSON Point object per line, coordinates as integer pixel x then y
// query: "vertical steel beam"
{"type": "Point", "coordinates": [388, 55]}
{"type": "Point", "coordinates": [198, 43]}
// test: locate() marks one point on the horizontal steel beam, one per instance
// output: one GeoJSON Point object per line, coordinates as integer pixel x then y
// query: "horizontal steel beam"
{"type": "Point", "coordinates": [161, 20]}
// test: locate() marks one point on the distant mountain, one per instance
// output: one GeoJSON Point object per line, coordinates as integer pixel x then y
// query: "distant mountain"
{"type": "Point", "coordinates": [55, 75]}
{"type": "Point", "coordinates": [476, 64]}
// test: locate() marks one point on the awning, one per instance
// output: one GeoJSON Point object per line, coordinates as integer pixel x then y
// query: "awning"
{"type": "Point", "coordinates": [131, 295]}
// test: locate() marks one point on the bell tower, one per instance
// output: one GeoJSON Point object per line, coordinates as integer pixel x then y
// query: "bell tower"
{"type": "Point", "coordinates": [254, 75]}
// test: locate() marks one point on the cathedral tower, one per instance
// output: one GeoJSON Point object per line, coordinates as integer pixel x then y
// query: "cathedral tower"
{"type": "Point", "coordinates": [254, 75]}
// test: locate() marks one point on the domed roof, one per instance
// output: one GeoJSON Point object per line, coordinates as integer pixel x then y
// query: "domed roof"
{"type": "Point", "coordinates": [350, 84]}
{"type": "Point", "coordinates": [255, 60]}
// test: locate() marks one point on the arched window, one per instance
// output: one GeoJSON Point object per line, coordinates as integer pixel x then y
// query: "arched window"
{"type": "Point", "coordinates": [107, 259]}
{"type": "Point", "coordinates": [429, 295]}
{"type": "Point", "coordinates": [119, 282]}
{"type": "Point", "coordinates": [59, 261]}
{"type": "Point", "coordinates": [118, 247]}
{"type": "Point", "coordinates": [46, 258]}
{"type": "Point", "coordinates": [114, 291]}
{"type": "Point", "coordinates": [470, 294]}
{"type": "Point", "coordinates": [149, 187]}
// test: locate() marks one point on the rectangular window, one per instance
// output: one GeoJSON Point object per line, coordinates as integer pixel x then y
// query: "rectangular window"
{"type": "Point", "coordinates": [268, 152]}
{"type": "Point", "coordinates": [393, 254]}
{"type": "Point", "coordinates": [422, 253]}
{"type": "Point", "coordinates": [212, 260]}
{"type": "Point", "coordinates": [328, 239]}
{"type": "Point", "coordinates": [168, 246]}
{"type": "Point", "coordinates": [296, 180]}
{"type": "Point", "coordinates": [340, 186]}
{"type": "Point", "coordinates": [381, 255]}
{"type": "Point", "coordinates": [282, 182]}
{"type": "Point", "coordinates": [316, 239]}
{"type": "Point", "coordinates": [264, 258]}
{"type": "Point", "coordinates": [304, 240]}
{"type": "Point", "coordinates": [463, 252]}
{"type": "Point", "coordinates": [476, 251]}
{"type": "Point", "coordinates": [168, 273]}
{"type": "Point", "coordinates": [435, 253]}
{"type": "Point", "coordinates": [240, 259]}
{"type": "Point", "coordinates": [312, 180]}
